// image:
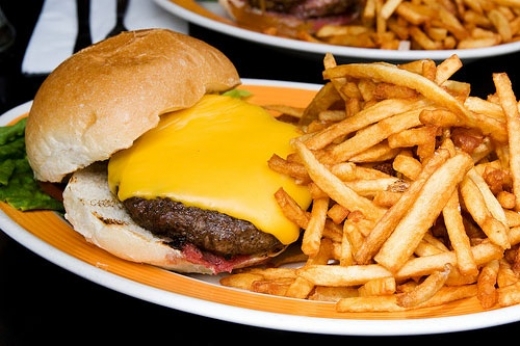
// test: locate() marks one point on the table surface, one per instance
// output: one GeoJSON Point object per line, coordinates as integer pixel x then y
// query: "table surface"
{"type": "Point", "coordinates": [41, 302]}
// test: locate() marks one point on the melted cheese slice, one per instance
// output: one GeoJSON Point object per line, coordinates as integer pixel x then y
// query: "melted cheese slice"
{"type": "Point", "coordinates": [214, 156]}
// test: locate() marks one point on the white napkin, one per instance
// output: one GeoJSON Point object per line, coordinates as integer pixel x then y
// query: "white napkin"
{"type": "Point", "coordinates": [55, 32]}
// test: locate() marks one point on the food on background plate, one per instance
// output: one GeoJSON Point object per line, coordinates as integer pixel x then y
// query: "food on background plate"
{"type": "Point", "coordinates": [415, 186]}
{"type": "Point", "coordinates": [160, 166]}
{"type": "Point", "coordinates": [390, 24]}
{"type": "Point", "coordinates": [289, 17]}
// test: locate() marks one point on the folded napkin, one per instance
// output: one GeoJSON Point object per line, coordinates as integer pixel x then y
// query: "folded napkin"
{"type": "Point", "coordinates": [55, 32]}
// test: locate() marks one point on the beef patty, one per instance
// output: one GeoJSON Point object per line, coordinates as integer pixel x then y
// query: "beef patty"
{"type": "Point", "coordinates": [209, 230]}
{"type": "Point", "coordinates": [309, 8]}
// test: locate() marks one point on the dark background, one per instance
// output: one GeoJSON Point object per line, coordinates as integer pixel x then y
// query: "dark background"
{"type": "Point", "coordinates": [40, 303]}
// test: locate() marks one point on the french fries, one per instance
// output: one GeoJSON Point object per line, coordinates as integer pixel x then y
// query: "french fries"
{"type": "Point", "coordinates": [426, 25]}
{"type": "Point", "coordinates": [433, 220]}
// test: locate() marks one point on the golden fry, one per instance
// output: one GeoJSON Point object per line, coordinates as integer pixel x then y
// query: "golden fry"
{"type": "Point", "coordinates": [326, 275]}
{"type": "Point", "coordinates": [378, 287]}
{"type": "Point", "coordinates": [458, 237]}
{"type": "Point", "coordinates": [425, 290]}
{"type": "Point", "coordinates": [486, 290]}
{"type": "Point", "coordinates": [509, 105]}
{"type": "Point", "coordinates": [314, 231]}
{"type": "Point", "coordinates": [476, 205]}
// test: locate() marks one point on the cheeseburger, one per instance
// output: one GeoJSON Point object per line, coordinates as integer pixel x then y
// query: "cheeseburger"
{"type": "Point", "coordinates": [291, 17]}
{"type": "Point", "coordinates": [159, 166]}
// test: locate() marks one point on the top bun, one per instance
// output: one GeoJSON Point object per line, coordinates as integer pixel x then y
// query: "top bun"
{"type": "Point", "coordinates": [105, 96]}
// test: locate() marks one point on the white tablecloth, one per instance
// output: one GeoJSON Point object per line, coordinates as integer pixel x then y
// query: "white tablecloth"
{"type": "Point", "coordinates": [55, 32]}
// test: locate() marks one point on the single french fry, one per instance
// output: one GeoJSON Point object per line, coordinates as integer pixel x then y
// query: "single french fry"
{"type": "Point", "coordinates": [414, 13]}
{"type": "Point", "coordinates": [337, 213]}
{"type": "Point", "coordinates": [419, 266]}
{"type": "Point", "coordinates": [299, 288]}
{"type": "Point", "coordinates": [501, 24]}
{"type": "Point", "coordinates": [434, 241]}
{"type": "Point", "coordinates": [388, 8]}
{"type": "Point", "coordinates": [447, 68]}
{"type": "Point", "coordinates": [241, 280]}
{"type": "Point", "coordinates": [458, 236]}
{"type": "Point", "coordinates": [509, 295]}
{"type": "Point", "coordinates": [423, 39]}
{"type": "Point", "coordinates": [291, 169]}
{"type": "Point", "coordinates": [456, 278]}
{"type": "Point", "coordinates": [509, 105]}
{"type": "Point", "coordinates": [291, 209]}
{"type": "Point", "coordinates": [506, 199]}
{"type": "Point", "coordinates": [346, 257]}
{"type": "Point", "coordinates": [506, 276]}
{"type": "Point", "coordinates": [475, 203]}
{"type": "Point", "coordinates": [332, 115]}
{"type": "Point", "coordinates": [376, 153]}
{"type": "Point", "coordinates": [354, 275]}
{"type": "Point", "coordinates": [369, 188]}
{"type": "Point", "coordinates": [378, 287]}
{"type": "Point", "coordinates": [413, 137]}
{"type": "Point", "coordinates": [275, 273]}
{"type": "Point", "coordinates": [425, 290]}
{"type": "Point", "coordinates": [296, 112]}
{"type": "Point", "coordinates": [389, 303]}
{"type": "Point", "coordinates": [426, 249]}
{"type": "Point", "coordinates": [450, 294]}
{"type": "Point", "coordinates": [486, 290]}
{"type": "Point", "coordinates": [386, 199]}
{"type": "Point", "coordinates": [277, 287]}
{"type": "Point", "coordinates": [349, 171]}
{"type": "Point", "coordinates": [333, 294]}
{"type": "Point", "coordinates": [408, 166]}
{"type": "Point", "coordinates": [385, 303]}
{"type": "Point", "coordinates": [352, 235]}
{"type": "Point", "coordinates": [314, 231]}
{"type": "Point", "coordinates": [489, 198]}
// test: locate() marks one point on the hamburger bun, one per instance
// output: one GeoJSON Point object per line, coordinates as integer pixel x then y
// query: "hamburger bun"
{"type": "Point", "coordinates": [116, 90]}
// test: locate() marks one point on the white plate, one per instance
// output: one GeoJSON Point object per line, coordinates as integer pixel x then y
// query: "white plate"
{"type": "Point", "coordinates": [210, 15]}
{"type": "Point", "coordinates": [49, 236]}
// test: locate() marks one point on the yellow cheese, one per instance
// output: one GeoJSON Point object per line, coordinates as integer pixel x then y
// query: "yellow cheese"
{"type": "Point", "coordinates": [214, 156]}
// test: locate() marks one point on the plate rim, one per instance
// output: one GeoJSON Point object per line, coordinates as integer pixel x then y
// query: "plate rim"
{"type": "Point", "coordinates": [241, 315]}
{"type": "Point", "coordinates": [222, 25]}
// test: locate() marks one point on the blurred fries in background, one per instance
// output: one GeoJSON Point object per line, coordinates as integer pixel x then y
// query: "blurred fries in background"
{"type": "Point", "coordinates": [426, 25]}
{"type": "Point", "coordinates": [416, 192]}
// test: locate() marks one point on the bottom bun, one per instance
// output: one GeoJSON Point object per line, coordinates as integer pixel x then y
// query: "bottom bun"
{"type": "Point", "coordinates": [94, 212]}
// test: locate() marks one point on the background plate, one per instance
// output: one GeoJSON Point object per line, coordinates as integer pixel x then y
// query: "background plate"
{"type": "Point", "coordinates": [210, 15]}
{"type": "Point", "coordinates": [49, 236]}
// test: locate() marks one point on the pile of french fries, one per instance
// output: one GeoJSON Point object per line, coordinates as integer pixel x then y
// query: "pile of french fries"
{"type": "Point", "coordinates": [416, 192]}
{"type": "Point", "coordinates": [426, 25]}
